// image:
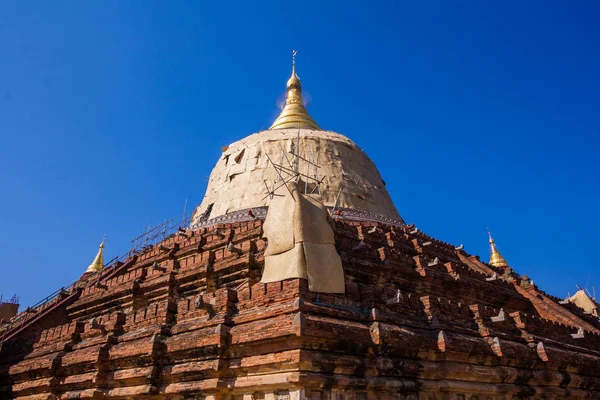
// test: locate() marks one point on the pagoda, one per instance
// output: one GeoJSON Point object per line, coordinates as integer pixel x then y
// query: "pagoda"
{"type": "Point", "coordinates": [296, 278]}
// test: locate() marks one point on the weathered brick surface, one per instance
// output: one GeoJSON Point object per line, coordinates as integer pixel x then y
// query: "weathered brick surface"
{"type": "Point", "coordinates": [188, 318]}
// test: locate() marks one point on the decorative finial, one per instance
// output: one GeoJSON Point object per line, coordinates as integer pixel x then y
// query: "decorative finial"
{"type": "Point", "coordinates": [294, 52]}
{"type": "Point", "coordinates": [98, 263]}
{"type": "Point", "coordinates": [294, 113]}
{"type": "Point", "coordinates": [496, 259]}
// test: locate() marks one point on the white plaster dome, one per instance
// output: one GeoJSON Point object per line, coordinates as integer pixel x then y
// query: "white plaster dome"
{"type": "Point", "coordinates": [244, 177]}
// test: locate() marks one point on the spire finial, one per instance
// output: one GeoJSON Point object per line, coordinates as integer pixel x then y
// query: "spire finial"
{"type": "Point", "coordinates": [294, 113]}
{"type": "Point", "coordinates": [496, 259]}
{"type": "Point", "coordinates": [98, 263]}
{"type": "Point", "coordinates": [294, 52]}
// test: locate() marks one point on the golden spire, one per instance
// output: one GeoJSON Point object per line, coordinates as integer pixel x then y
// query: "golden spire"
{"type": "Point", "coordinates": [98, 263]}
{"type": "Point", "coordinates": [496, 259]}
{"type": "Point", "coordinates": [294, 114]}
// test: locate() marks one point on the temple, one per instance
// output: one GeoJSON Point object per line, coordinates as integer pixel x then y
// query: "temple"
{"type": "Point", "coordinates": [296, 278]}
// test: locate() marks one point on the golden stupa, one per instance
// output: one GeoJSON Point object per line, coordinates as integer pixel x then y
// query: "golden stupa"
{"type": "Point", "coordinates": [294, 114]}
{"type": "Point", "coordinates": [98, 263]}
{"type": "Point", "coordinates": [496, 259]}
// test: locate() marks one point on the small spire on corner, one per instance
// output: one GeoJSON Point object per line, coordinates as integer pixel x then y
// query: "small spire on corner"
{"type": "Point", "coordinates": [496, 259]}
{"type": "Point", "coordinates": [98, 263]}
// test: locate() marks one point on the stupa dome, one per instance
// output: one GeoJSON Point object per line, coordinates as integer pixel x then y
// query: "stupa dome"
{"type": "Point", "coordinates": [245, 175]}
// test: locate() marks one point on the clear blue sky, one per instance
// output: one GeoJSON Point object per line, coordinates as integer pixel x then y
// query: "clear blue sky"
{"type": "Point", "coordinates": [112, 113]}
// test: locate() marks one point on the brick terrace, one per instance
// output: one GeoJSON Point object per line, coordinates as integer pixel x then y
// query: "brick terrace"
{"type": "Point", "coordinates": [189, 319]}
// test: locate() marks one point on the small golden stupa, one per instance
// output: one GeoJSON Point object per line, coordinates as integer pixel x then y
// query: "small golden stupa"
{"type": "Point", "coordinates": [98, 264]}
{"type": "Point", "coordinates": [496, 259]}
